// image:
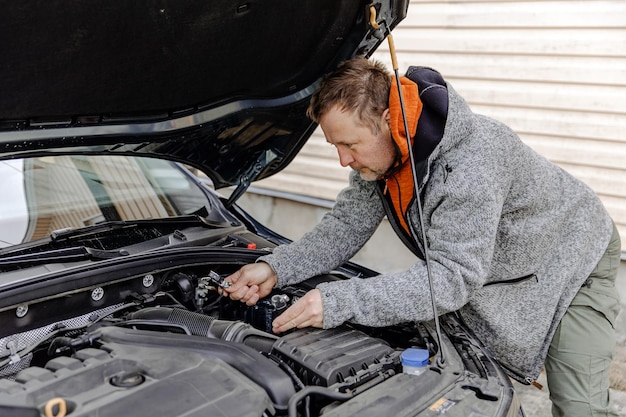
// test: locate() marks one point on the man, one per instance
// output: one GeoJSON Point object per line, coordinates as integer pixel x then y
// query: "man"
{"type": "Point", "coordinates": [522, 250]}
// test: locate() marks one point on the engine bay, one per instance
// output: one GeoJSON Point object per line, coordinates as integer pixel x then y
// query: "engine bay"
{"type": "Point", "coordinates": [167, 343]}
{"type": "Point", "coordinates": [151, 334]}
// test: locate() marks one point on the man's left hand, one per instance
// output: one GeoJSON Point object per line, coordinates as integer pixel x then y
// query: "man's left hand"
{"type": "Point", "coordinates": [306, 312]}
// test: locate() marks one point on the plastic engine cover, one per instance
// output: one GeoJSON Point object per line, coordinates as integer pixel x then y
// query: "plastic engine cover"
{"type": "Point", "coordinates": [135, 380]}
{"type": "Point", "coordinates": [325, 357]}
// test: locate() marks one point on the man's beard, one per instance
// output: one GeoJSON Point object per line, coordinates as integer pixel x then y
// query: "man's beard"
{"type": "Point", "coordinates": [369, 175]}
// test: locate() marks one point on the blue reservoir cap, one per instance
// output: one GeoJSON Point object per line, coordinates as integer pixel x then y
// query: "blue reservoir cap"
{"type": "Point", "coordinates": [415, 357]}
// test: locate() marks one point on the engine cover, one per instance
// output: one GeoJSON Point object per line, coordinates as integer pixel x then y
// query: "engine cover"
{"type": "Point", "coordinates": [325, 357]}
{"type": "Point", "coordinates": [128, 371]}
{"type": "Point", "coordinates": [122, 379]}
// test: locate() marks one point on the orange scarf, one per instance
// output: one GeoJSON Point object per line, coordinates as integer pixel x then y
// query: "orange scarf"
{"type": "Point", "coordinates": [399, 185]}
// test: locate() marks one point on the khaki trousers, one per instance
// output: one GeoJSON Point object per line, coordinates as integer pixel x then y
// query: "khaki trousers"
{"type": "Point", "coordinates": [579, 358]}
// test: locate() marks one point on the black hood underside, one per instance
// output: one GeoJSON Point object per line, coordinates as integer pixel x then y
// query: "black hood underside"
{"type": "Point", "coordinates": [219, 85]}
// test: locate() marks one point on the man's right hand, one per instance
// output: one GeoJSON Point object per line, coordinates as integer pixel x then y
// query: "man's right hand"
{"type": "Point", "coordinates": [251, 283]}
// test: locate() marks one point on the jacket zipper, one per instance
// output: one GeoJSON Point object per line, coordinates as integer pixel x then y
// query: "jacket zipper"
{"type": "Point", "coordinates": [514, 280]}
{"type": "Point", "coordinates": [521, 378]}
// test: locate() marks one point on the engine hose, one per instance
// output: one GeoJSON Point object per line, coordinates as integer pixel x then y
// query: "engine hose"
{"type": "Point", "coordinates": [245, 359]}
{"type": "Point", "coordinates": [300, 395]}
{"type": "Point", "coordinates": [207, 326]}
{"type": "Point", "coordinates": [297, 381]}
{"type": "Point", "coordinates": [59, 343]}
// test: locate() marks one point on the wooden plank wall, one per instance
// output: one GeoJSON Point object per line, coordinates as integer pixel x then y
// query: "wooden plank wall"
{"type": "Point", "coordinates": [63, 199]}
{"type": "Point", "coordinates": [60, 196]}
{"type": "Point", "coordinates": [555, 71]}
{"type": "Point", "coordinates": [133, 196]}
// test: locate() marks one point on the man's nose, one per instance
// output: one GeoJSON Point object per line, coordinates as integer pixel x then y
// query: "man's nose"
{"type": "Point", "coordinates": [345, 158]}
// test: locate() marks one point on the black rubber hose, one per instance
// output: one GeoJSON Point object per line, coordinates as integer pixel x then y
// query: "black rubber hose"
{"type": "Point", "coordinates": [278, 385]}
{"type": "Point", "coordinates": [300, 395]}
{"type": "Point", "coordinates": [207, 326]}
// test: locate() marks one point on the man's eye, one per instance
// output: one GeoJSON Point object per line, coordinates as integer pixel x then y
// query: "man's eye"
{"type": "Point", "coordinates": [342, 145]}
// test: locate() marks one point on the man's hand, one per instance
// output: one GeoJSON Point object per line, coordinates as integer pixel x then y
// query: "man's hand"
{"type": "Point", "coordinates": [251, 282]}
{"type": "Point", "coordinates": [306, 312]}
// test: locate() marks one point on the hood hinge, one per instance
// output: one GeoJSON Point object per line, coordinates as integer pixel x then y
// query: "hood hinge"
{"type": "Point", "coordinates": [262, 162]}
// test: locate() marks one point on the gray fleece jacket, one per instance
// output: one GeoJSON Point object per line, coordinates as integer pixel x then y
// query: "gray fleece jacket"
{"type": "Point", "coordinates": [511, 238]}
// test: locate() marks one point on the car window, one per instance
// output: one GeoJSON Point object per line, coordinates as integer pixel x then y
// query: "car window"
{"type": "Point", "coordinates": [57, 192]}
{"type": "Point", "coordinates": [13, 217]}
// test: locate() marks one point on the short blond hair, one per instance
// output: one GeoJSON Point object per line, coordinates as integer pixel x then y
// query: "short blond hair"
{"type": "Point", "coordinates": [358, 85]}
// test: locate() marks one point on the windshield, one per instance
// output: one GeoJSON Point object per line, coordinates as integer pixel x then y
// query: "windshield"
{"type": "Point", "coordinates": [41, 195]}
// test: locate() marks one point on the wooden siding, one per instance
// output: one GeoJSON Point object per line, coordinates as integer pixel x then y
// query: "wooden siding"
{"type": "Point", "coordinates": [62, 198]}
{"type": "Point", "coordinates": [555, 71]}
{"type": "Point", "coordinates": [55, 182]}
{"type": "Point", "coordinates": [131, 192]}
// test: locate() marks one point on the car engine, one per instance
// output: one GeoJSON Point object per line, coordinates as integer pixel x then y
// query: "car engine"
{"type": "Point", "coordinates": [171, 345]}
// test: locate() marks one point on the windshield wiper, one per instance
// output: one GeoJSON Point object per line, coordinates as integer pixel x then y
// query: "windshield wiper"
{"type": "Point", "coordinates": [78, 253]}
{"type": "Point", "coordinates": [192, 220]}
{"type": "Point", "coordinates": [104, 240]}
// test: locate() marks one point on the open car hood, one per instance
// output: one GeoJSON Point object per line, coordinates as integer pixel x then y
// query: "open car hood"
{"type": "Point", "coordinates": [219, 85]}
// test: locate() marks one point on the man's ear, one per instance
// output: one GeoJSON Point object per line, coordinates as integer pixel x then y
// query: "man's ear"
{"type": "Point", "coordinates": [386, 117]}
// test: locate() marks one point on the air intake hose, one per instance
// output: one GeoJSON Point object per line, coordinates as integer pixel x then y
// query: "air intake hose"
{"type": "Point", "coordinates": [201, 325]}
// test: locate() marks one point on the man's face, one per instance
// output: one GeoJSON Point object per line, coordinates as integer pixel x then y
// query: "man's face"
{"type": "Point", "coordinates": [358, 147]}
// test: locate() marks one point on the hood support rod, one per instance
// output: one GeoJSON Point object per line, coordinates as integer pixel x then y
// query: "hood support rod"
{"type": "Point", "coordinates": [394, 61]}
